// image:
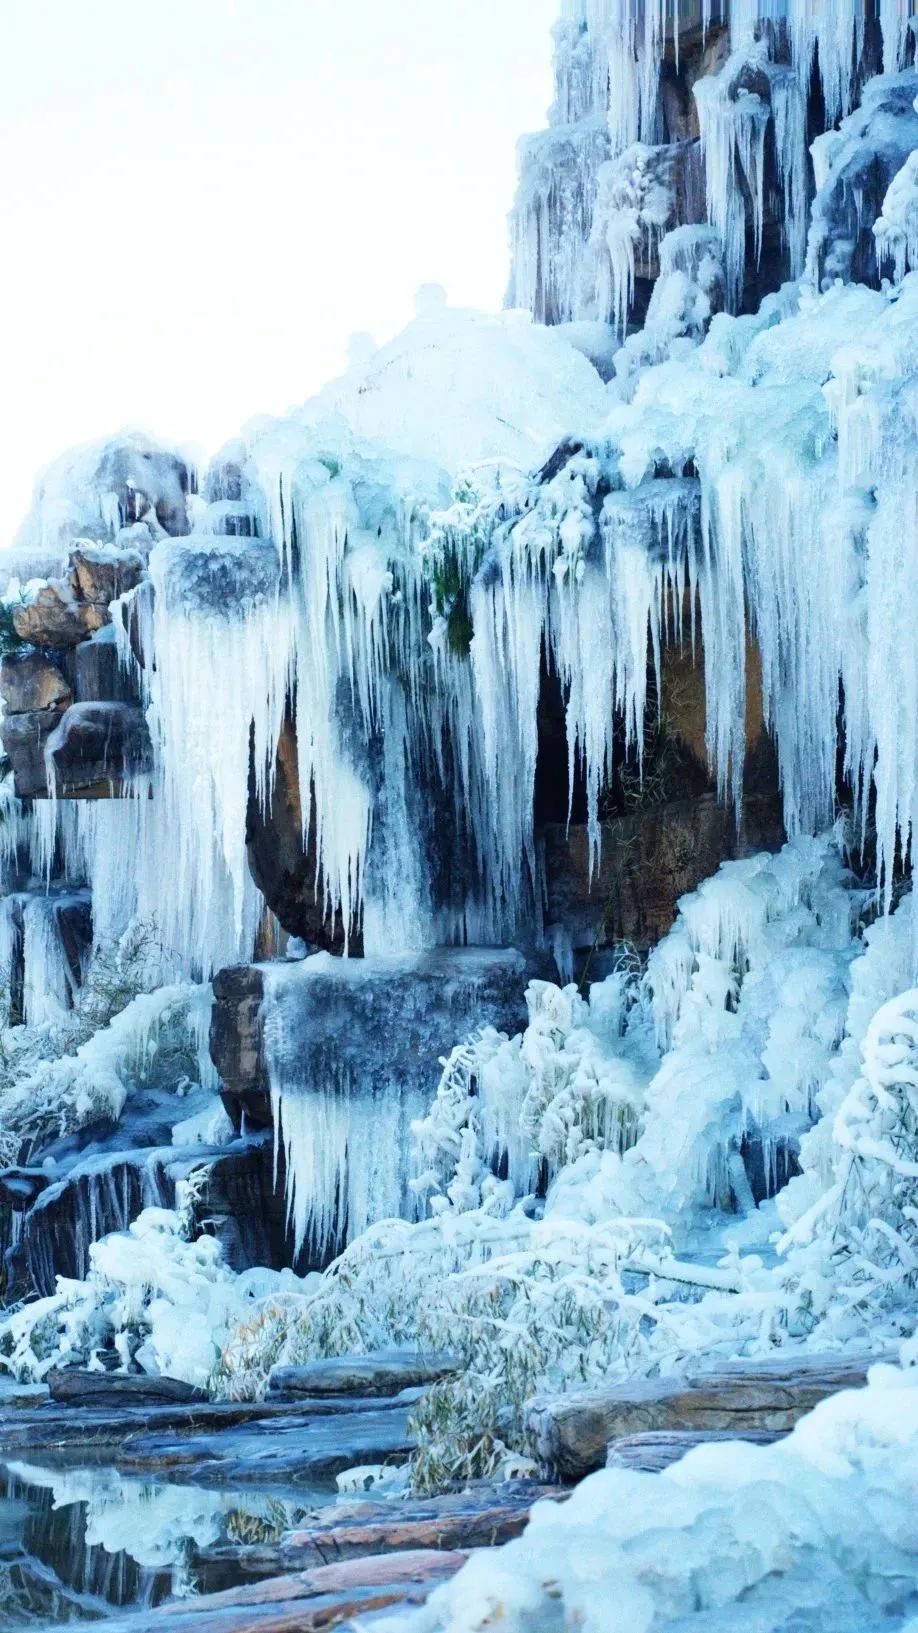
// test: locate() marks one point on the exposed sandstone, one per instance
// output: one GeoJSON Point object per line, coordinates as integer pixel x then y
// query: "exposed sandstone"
{"type": "Point", "coordinates": [100, 574]}
{"type": "Point", "coordinates": [571, 1434]}
{"type": "Point", "coordinates": [32, 680]}
{"type": "Point", "coordinates": [55, 618]}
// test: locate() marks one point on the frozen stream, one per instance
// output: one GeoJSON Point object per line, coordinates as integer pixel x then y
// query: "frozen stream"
{"type": "Point", "coordinates": [77, 1544]}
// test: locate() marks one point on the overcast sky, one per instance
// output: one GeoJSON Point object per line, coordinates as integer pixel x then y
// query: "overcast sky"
{"type": "Point", "coordinates": [201, 200]}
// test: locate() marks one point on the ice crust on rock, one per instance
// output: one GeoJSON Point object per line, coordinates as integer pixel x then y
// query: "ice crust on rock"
{"type": "Point", "coordinates": [350, 1048]}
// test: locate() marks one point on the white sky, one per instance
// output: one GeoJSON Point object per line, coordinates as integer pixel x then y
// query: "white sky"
{"type": "Point", "coordinates": [201, 200]}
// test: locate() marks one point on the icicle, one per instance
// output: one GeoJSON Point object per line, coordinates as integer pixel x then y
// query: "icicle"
{"type": "Point", "coordinates": [48, 983]}
{"type": "Point", "coordinates": [896, 231]}
{"type": "Point", "coordinates": [733, 122]}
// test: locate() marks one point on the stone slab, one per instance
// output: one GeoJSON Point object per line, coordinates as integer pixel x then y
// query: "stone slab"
{"type": "Point", "coordinates": [570, 1434]}
{"type": "Point", "coordinates": [293, 1452]}
{"type": "Point", "coordinates": [382, 1373]}
{"type": "Point", "coordinates": [69, 1432]}
{"type": "Point", "coordinates": [77, 1386]}
{"type": "Point", "coordinates": [659, 1449]}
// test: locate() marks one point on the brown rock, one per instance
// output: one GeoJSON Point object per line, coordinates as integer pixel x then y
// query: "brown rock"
{"type": "Point", "coordinates": [55, 618]}
{"type": "Point", "coordinates": [456, 1521]}
{"type": "Point", "coordinates": [76, 1385]}
{"type": "Point", "coordinates": [371, 1571]}
{"type": "Point", "coordinates": [98, 574]}
{"type": "Point", "coordinates": [96, 748]}
{"type": "Point", "coordinates": [648, 860]}
{"type": "Point", "coordinates": [571, 1433]}
{"type": "Point", "coordinates": [24, 737]}
{"type": "Point", "coordinates": [291, 1615]}
{"type": "Point", "coordinates": [236, 1042]}
{"type": "Point", "coordinates": [658, 1449]}
{"type": "Point", "coordinates": [285, 870]}
{"type": "Point", "coordinates": [31, 680]}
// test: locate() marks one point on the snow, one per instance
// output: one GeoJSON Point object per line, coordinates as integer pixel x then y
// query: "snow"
{"type": "Point", "coordinates": [101, 488]}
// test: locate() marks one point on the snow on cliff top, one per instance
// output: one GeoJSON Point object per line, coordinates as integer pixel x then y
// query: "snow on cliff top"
{"type": "Point", "coordinates": [457, 387]}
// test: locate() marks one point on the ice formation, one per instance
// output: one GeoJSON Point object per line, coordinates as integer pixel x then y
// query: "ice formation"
{"type": "Point", "coordinates": [695, 429]}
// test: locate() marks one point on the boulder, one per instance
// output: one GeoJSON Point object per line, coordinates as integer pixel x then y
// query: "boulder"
{"type": "Point", "coordinates": [32, 680]}
{"type": "Point", "coordinates": [24, 738]}
{"type": "Point", "coordinates": [99, 573]}
{"type": "Point", "coordinates": [382, 1373]}
{"type": "Point", "coordinates": [96, 748]}
{"type": "Point", "coordinates": [76, 1386]}
{"type": "Point", "coordinates": [97, 674]}
{"type": "Point", "coordinates": [417, 1007]}
{"type": "Point", "coordinates": [571, 1434]}
{"type": "Point", "coordinates": [149, 483]}
{"type": "Point", "coordinates": [55, 618]}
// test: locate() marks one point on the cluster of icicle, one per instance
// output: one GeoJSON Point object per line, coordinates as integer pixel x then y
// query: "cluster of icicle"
{"type": "Point", "coordinates": [582, 205]}
{"type": "Point", "coordinates": [755, 473]}
{"type": "Point", "coordinates": [762, 479]}
{"type": "Point", "coordinates": [788, 506]}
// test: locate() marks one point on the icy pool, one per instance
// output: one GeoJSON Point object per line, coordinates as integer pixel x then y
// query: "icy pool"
{"type": "Point", "coordinates": [78, 1544]}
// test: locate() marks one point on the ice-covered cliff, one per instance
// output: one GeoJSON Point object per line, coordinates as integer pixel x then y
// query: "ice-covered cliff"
{"type": "Point", "coordinates": [525, 624]}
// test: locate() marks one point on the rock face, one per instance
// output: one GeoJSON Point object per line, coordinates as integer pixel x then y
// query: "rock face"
{"type": "Point", "coordinates": [31, 680]}
{"type": "Point", "coordinates": [96, 749]}
{"type": "Point", "coordinates": [56, 618]}
{"type": "Point", "coordinates": [241, 1202]}
{"type": "Point", "coordinates": [572, 1433]}
{"type": "Point", "coordinates": [285, 870]}
{"type": "Point", "coordinates": [648, 860]}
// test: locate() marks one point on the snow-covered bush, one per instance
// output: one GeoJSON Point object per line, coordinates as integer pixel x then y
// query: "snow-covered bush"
{"type": "Point", "coordinates": [56, 1079]}
{"type": "Point", "coordinates": [157, 1301]}
{"type": "Point", "coordinates": [527, 1106]}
